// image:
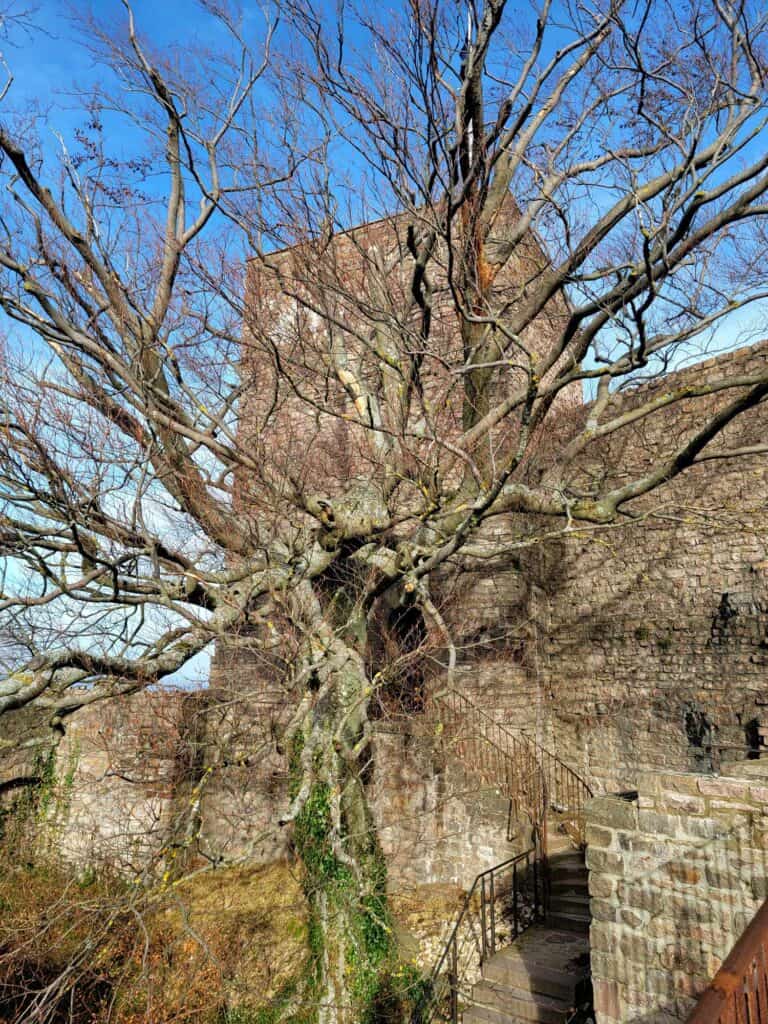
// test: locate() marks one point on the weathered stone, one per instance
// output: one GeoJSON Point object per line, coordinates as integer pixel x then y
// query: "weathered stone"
{"type": "Point", "coordinates": [607, 1005]}
{"type": "Point", "coordinates": [633, 918]}
{"type": "Point", "coordinates": [611, 811]}
{"type": "Point", "coordinates": [598, 836]}
{"type": "Point", "coordinates": [604, 861]}
{"type": "Point", "coordinates": [685, 802]}
{"type": "Point", "coordinates": [676, 920]}
{"type": "Point", "coordinates": [718, 787]}
{"type": "Point", "coordinates": [685, 873]}
{"type": "Point", "coordinates": [601, 886]}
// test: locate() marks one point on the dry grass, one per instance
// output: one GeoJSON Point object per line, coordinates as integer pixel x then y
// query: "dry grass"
{"type": "Point", "coordinates": [423, 915]}
{"type": "Point", "coordinates": [254, 921]}
{"type": "Point", "coordinates": [218, 947]}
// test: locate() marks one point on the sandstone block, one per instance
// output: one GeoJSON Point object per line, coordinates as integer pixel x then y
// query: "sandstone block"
{"type": "Point", "coordinates": [634, 918]}
{"type": "Point", "coordinates": [604, 861]}
{"type": "Point", "coordinates": [601, 886]}
{"type": "Point", "coordinates": [612, 812]}
{"type": "Point", "coordinates": [601, 938]}
{"type": "Point", "coordinates": [679, 783]}
{"type": "Point", "coordinates": [603, 910]}
{"type": "Point", "coordinates": [607, 1002]}
{"type": "Point", "coordinates": [599, 836]}
{"type": "Point", "coordinates": [677, 802]}
{"type": "Point", "coordinates": [721, 787]}
{"type": "Point", "coordinates": [684, 873]}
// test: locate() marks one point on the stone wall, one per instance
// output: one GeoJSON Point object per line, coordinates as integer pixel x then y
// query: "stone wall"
{"type": "Point", "coordinates": [643, 644]}
{"type": "Point", "coordinates": [654, 647]}
{"type": "Point", "coordinates": [146, 779]}
{"type": "Point", "coordinates": [675, 876]}
{"type": "Point", "coordinates": [624, 649]}
{"type": "Point", "coordinates": [436, 820]}
{"type": "Point", "coordinates": [119, 775]}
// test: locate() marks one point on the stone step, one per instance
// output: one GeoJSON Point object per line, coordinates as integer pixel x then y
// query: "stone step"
{"type": "Point", "coordinates": [491, 998]}
{"type": "Point", "coordinates": [558, 851]}
{"type": "Point", "coordinates": [532, 977]}
{"type": "Point", "coordinates": [475, 1015]}
{"type": "Point", "coordinates": [566, 862]}
{"type": "Point", "coordinates": [564, 900]}
{"type": "Point", "coordinates": [557, 869]}
{"type": "Point", "coordinates": [576, 880]}
{"type": "Point", "coordinates": [568, 890]}
{"type": "Point", "coordinates": [571, 921]}
{"type": "Point", "coordinates": [560, 840]}
{"type": "Point", "coordinates": [568, 886]}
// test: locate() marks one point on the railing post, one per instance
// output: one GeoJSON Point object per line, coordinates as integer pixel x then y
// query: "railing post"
{"type": "Point", "coordinates": [515, 922]}
{"type": "Point", "coordinates": [492, 887]}
{"type": "Point", "coordinates": [483, 924]}
{"type": "Point", "coordinates": [454, 982]}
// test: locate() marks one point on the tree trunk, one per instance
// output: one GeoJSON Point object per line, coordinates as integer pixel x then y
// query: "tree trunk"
{"type": "Point", "coordinates": [350, 937]}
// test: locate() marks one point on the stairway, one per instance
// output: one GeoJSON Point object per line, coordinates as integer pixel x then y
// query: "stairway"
{"type": "Point", "coordinates": [543, 974]}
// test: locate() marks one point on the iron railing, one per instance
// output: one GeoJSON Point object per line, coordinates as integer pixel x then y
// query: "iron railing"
{"type": "Point", "coordinates": [738, 993]}
{"type": "Point", "coordinates": [520, 767]}
{"type": "Point", "coordinates": [503, 901]}
{"type": "Point", "coordinates": [508, 898]}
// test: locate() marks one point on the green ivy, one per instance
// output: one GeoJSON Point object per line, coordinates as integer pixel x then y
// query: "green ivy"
{"type": "Point", "coordinates": [383, 988]}
{"type": "Point", "coordinates": [34, 800]}
{"type": "Point", "coordinates": [369, 942]}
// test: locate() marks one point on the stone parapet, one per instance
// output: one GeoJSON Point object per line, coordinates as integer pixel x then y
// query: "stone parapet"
{"type": "Point", "coordinates": [676, 874]}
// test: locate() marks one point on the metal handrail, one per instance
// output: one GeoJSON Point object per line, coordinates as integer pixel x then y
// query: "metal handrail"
{"type": "Point", "coordinates": [524, 771]}
{"type": "Point", "coordinates": [738, 993]}
{"type": "Point", "coordinates": [523, 759]}
{"type": "Point", "coordinates": [510, 894]}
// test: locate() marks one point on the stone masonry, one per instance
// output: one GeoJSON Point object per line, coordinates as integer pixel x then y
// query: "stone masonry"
{"type": "Point", "coordinates": [676, 873]}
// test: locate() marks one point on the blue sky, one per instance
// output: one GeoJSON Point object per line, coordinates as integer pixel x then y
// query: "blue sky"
{"type": "Point", "coordinates": [50, 59]}
{"type": "Point", "coordinates": [49, 63]}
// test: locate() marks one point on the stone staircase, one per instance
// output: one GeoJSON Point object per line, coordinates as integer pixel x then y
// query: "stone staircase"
{"type": "Point", "coordinates": [545, 972]}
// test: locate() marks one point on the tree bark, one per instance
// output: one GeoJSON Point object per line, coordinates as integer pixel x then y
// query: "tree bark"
{"type": "Point", "coordinates": [350, 938]}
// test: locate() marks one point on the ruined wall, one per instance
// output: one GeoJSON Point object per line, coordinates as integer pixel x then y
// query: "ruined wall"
{"type": "Point", "coordinates": [675, 877]}
{"type": "Point", "coordinates": [117, 782]}
{"type": "Point", "coordinates": [645, 643]}
{"type": "Point", "coordinates": [654, 647]}
{"type": "Point", "coordinates": [616, 647]}
{"type": "Point", "coordinates": [437, 822]}
{"type": "Point", "coordinates": [150, 779]}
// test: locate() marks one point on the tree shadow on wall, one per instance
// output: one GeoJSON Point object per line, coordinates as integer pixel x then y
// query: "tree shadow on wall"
{"type": "Point", "coordinates": [676, 922]}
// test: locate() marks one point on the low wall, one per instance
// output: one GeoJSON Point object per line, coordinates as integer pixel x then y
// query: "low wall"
{"type": "Point", "coordinates": [675, 876]}
{"type": "Point", "coordinates": [115, 782]}
{"type": "Point", "coordinates": [192, 775]}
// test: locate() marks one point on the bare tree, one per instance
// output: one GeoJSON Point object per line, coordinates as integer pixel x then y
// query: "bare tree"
{"type": "Point", "coordinates": [555, 198]}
